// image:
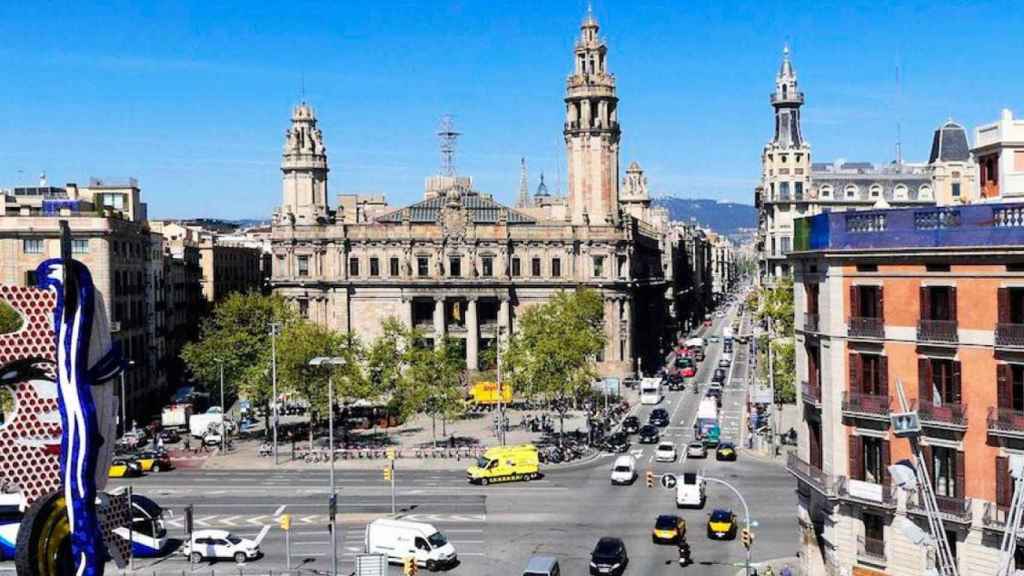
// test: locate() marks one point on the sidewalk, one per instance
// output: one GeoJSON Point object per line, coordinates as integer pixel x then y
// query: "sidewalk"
{"type": "Point", "coordinates": [473, 433]}
{"type": "Point", "coordinates": [777, 564]}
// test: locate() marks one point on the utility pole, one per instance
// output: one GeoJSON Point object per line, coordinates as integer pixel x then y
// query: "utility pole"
{"type": "Point", "coordinates": [124, 399]}
{"type": "Point", "coordinates": [223, 410]}
{"type": "Point", "coordinates": [746, 511]}
{"type": "Point", "coordinates": [771, 386]}
{"type": "Point", "coordinates": [274, 328]}
{"type": "Point", "coordinates": [131, 533]}
{"type": "Point", "coordinates": [330, 362]}
{"type": "Point", "coordinates": [501, 398]}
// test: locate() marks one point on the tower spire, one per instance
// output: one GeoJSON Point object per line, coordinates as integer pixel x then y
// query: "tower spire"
{"type": "Point", "coordinates": [524, 186]}
{"type": "Point", "coordinates": [787, 100]}
{"type": "Point", "coordinates": [448, 137]}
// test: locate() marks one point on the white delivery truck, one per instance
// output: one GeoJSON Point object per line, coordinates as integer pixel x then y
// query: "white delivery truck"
{"type": "Point", "coordinates": [650, 390]}
{"type": "Point", "coordinates": [176, 416]}
{"type": "Point", "coordinates": [200, 424]}
{"type": "Point", "coordinates": [399, 539]}
{"type": "Point", "coordinates": [690, 491]}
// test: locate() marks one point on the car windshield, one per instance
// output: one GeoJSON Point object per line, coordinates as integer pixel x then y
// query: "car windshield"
{"type": "Point", "coordinates": [721, 516]}
{"type": "Point", "coordinates": [234, 539]}
{"type": "Point", "coordinates": [482, 462]}
{"type": "Point", "coordinates": [665, 522]}
{"type": "Point", "coordinates": [696, 445]}
{"type": "Point", "coordinates": [665, 447]}
{"type": "Point", "coordinates": [437, 540]}
{"type": "Point", "coordinates": [606, 548]}
{"type": "Point", "coordinates": [622, 468]}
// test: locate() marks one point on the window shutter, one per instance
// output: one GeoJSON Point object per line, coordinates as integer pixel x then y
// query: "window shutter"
{"type": "Point", "coordinates": [883, 376]}
{"type": "Point", "coordinates": [856, 458]}
{"type": "Point", "coordinates": [1003, 398]}
{"type": "Point", "coordinates": [881, 304]}
{"type": "Point", "coordinates": [886, 480]}
{"type": "Point", "coordinates": [1004, 305]}
{"type": "Point", "coordinates": [854, 372]}
{"type": "Point", "coordinates": [854, 302]}
{"type": "Point", "coordinates": [924, 380]}
{"type": "Point", "coordinates": [925, 302]}
{"type": "Point", "coordinates": [952, 303]}
{"type": "Point", "coordinates": [1003, 485]}
{"type": "Point", "coordinates": [956, 382]}
{"type": "Point", "coordinates": [960, 478]}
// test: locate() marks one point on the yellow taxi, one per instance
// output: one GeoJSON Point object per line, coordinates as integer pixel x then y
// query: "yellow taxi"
{"type": "Point", "coordinates": [721, 525]}
{"type": "Point", "coordinates": [726, 451]}
{"type": "Point", "coordinates": [668, 528]}
{"type": "Point", "coordinates": [124, 468]}
{"type": "Point", "coordinates": [154, 461]}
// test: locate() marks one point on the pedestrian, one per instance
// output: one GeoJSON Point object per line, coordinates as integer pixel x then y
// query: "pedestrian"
{"type": "Point", "coordinates": [188, 447]}
{"type": "Point", "coordinates": [768, 571]}
{"type": "Point", "coordinates": [786, 571]}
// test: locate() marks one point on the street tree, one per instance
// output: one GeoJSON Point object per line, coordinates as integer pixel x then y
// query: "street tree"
{"type": "Point", "coordinates": [236, 334]}
{"type": "Point", "coordinates": [436, 381]}
{"type": "Point", "coordinates": [552, 354]}
{"type": "Point", "coordinates": [10, 320]}
{"type": "Point", "coordinates": [388, 361]}
{"type": "Point", "coordinates": [776, 306]}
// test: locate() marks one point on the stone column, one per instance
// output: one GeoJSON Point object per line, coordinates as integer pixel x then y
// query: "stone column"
{"type": "Point", "coordinates": [407, 311]}
{"type": "Point", "coordinates": [472, 336]}
{"type": "Point", "coordinates": [627, 313]}
{"type": "Point", "coordinates": [504, 318]}
{"type": "Point", "coordinates": [439, 326]}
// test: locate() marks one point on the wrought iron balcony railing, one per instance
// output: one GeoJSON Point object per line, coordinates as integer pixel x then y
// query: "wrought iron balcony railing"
{"type": "Point", "coordinates": [1006, 422]}
{"type": "Point", "coordinates": [825, 484]}
{"type": "Point", "coordinates": [811, 394]}
{"type": "Point", "coordinates": [866, 405]}
{"type": "Point", "coordinates": [937, 331]}
{"type": "Point", "coordinates": [1010, 335]}
{"type": "Point", "coordinates": [946, 415]}
{"type": "Point", "coordinates": [862, 327]}
{"type": "Point", "coordinates": [810, 322]}
{"type": "Point", "coordinates": [950, 508]}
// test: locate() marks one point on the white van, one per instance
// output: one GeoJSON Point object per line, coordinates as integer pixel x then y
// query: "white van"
{"type": "Point", "coordinates": [400, 539]}
{"type": "Point", "coordinates": [690, 491]}
{"type": "Point", "coordinates": [624, 470]}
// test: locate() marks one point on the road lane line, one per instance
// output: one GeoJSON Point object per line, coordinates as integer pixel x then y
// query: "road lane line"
{"type": "Point", "coordinates": [280, 509]}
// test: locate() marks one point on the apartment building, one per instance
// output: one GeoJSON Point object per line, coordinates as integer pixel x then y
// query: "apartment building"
{"type": "Point", "coordinates": [926, 300]}
{"type": "Point", "coordinates": [999, 148]}
{"type": "Point", "coordinates": [228, 264]}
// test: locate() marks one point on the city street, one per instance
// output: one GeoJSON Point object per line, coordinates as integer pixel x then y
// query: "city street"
{"type": "Point", "coordinates": [495, 529]}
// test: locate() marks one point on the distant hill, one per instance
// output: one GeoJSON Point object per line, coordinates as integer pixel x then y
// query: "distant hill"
{"type": "Point", "coordinates": [722, 217]}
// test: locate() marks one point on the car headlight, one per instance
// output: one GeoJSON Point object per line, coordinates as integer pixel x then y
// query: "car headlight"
{"type": "Point", "coordinates": [592, 564]}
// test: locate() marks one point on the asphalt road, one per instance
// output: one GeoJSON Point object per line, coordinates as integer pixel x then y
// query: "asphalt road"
{"type": "Point", "coordinates": [495, 529]}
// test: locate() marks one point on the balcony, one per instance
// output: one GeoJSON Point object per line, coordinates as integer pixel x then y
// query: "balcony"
{"type": "Point", "coordinates": [1006, 422]}
{"type": "Point", "coordinates": [868, 493]}
{"type": "Point", "coordinates": [1010, 335]}
{"type": "Point", "coordinates": [825, 484]}
{"type": "Point", "coordinates": [811, 394]}
{"type": "Point", "coordinates": [871, 550]}
{"type": "Point", "coordinates": [870, 406]}
{"type": "Point", "coordinates": [948, 416]}
{"type": "Point", "coordinates": [941, 331]}
{"type": "Point", "coordinates": [957, 510]}
{"type": "Point", "coordinates": [810, 322]}
{"type": "Point", "coordinates": [866, 328]}
{"type": "Point", "coordinates": [995, 516]}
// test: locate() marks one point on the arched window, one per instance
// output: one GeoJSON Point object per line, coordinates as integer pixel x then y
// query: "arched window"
{"type": "Point", "coordinates": [899, 192]}
{"type": "Point", "coordinates": [876, 190]}
{"type": "Point", "coordinates": [851, 191]}
{"type": "Point", "coordinates": [924, 192]}
{"type": "Point", "coordinates": [826, 191]}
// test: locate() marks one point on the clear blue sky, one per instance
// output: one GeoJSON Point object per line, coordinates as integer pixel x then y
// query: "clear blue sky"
{"type": "Point", "coordinates": [193, 98]}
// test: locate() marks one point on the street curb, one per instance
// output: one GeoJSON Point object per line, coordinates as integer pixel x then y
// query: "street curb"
{"type": "Point", "coordinates": [755, 455]}
{"type": "Point", "coordinates": [793, 561]}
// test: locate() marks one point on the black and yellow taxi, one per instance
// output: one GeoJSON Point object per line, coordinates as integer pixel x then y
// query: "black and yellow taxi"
{"type": "Point", "coordinates": [726, 451]}
{"type": "Point", "coordinates": [154, 460]}
{"type": "Point", "coordinates": [124, 468]}
{"type": "Point", "coordinates": [721, 524]}
{"type": "Point", "coordinates": [668, 528]}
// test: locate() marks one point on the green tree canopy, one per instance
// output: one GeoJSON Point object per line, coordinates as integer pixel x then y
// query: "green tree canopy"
{"type": "Point", "coordinates": [303, 341]}
{"type": "Point", "coordinates": [10, 320]}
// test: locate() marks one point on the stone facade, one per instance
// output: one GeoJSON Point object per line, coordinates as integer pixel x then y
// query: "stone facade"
{"type": "Point", "coordinates": [228, 265]}
{"type": "Point", "coordinates": [461, 265]}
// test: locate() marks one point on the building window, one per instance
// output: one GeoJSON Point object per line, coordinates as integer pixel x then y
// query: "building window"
{"type": "Point", "coordinates": [487, 266]}
{"type": "Point", "coordinates": [374, 267]}
{"type": "Point", "coordinates": [876, 190]}
{"type": "Point", "coordinates": [353, 266]}
{"type": "Point", "coordinates": [393, 266]}
{"type": "Point", "coordinates": [900, 192]}
{"type": "Point", "coordinates": [942, 466]}
{"type": "Point", "coordinates": [304, 308]}
{"type": "Point", "coordinates": [925, 192]}
{"type": "Point", "coordinates": [787, 244]}
{"type": "Point", "coordinates": [598, 266]}
{"type": "Point", "coordinates": [303, 266]}
{"type": "Point", "coordinates": [32, 246]}
{"type": "Point", "coordinates": [535, 267]}
{"type": "Point", "coordinates": [874, 534]}
{"type": "Point", "coordinates": [784, 191]}
{"type": "Point", "coordinates": [30, 278]}
{"type": "Point", "coordinates": [623, 267]}
{"type": "Point", "coordinates": [516, 267]}
{"type": "Point", "coordinates": [956, 189]}
{"type": "Point", "coordinates": [454, 266]}
{"type": "Point", "coordinates": [556, 268]}
{"type": "Point", "coordinates": [79, 246]}
{"type": "Point", "coordinates": [423, 266]}
{"type": "Point", "coordinates": [873, 460]}
{"type": "Point", "coordinates": [851, 191]}
{"type": "Point", "coordinates": [826, 191]}
{"type": "Point", "coordinates": [798, 190]}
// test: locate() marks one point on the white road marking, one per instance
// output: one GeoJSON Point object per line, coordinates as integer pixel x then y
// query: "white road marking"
{"type": "Point", "coordinates": [280, 510]}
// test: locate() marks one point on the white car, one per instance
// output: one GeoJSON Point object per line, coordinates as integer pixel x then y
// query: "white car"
{"type": "Point", "coordinates": [696, 449]}
{"type": "Point", "coordinates": [666, 452]}
{"type": "Point", "coordinates": [219, 544]}
{"type": "Point", "coordinates": [624, 470]}
{"type": "Point", "coordinates": [720, 314]}
{"type": "Point", "coordinates": [724, 362]}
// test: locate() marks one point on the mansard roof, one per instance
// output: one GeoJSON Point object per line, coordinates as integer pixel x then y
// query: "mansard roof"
{"type": "Point", "coordinates": [482, 210]}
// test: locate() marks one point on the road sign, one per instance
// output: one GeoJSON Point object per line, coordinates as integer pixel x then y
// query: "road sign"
{"type": "Point", "coordinates": [668, 481]}
{"type": "Point", "coordinates": [371, 565]}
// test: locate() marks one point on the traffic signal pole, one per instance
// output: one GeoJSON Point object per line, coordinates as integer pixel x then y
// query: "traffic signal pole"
{"type": "Point", "coordinates": [746, 512]}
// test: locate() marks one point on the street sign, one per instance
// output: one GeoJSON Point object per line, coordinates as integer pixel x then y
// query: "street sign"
{"type": "Point", "coordinates": [668, 481]}
{"type": "Point", "coordinates": [371, 565]}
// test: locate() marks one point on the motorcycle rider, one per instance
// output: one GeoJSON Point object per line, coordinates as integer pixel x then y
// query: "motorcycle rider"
{"type": "Point", "coordinates": [684, 551]}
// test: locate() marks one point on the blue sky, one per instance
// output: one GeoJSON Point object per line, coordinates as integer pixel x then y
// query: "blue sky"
{"type": "Point", "coordinates": [193, 98]}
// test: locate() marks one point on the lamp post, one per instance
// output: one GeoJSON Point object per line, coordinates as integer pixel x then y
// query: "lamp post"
{"type": "Point", "coordinates": [331, 361]}
{"type": "Point", "coordinates": [223, 412]}
{"type": "Point", "coordinates": [501, 398]}
{"type": "Point", "coordinates": [275, 328]}
{"type": "Point", "coordinates": [124, 404]}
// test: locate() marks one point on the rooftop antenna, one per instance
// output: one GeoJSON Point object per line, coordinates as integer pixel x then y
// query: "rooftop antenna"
{"type": "Point", "coordinates": [448, 136]}
{"type": "Point", "coordinates": [899, 130]}
{"type": "Point", "coordinates": [524, 186]}
{"type": "Point", "coordinates": [302, 77]}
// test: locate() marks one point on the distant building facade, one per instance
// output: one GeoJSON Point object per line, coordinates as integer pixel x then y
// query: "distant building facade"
{"type": "Point", "coordinates": [459, 264]}
{"type": "Point", "coordinates": [228, 264]}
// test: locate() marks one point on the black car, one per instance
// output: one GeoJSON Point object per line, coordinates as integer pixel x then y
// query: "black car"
{"type": "Point", "coordinates": [719, 375]}
{"type": "Point", "coordinates": [631, 425]}
{"type": "Point", "coordinates": [608, 557]}
{"type": "Point", "coordinates": [617, 442]}
{"type": "Point", "coordinates": [649, 435]}
{"type": "Point", "coordinates": [169, 436]}
{"type": "Point", "coordinates": [675, 381]}
{"type": "Point", "coordinates": [658, 417]}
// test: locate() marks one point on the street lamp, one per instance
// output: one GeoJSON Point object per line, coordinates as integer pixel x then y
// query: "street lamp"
{"type": "Point", "coordinates": [124, 410]}
{"type": "Point", "coordinates": [331, 361]}
{"type": "Point", "coordinates": [275, 329]}
{"type": "Point", "coordinates": [223, 412]}
{"type": "Point", "coordinates": [746, 511]}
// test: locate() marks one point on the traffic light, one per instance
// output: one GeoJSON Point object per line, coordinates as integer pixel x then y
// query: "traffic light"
{"type": "Point", "coordinates": [747, 537]}
{"type": "Point", "coordinates": [285, 521]}
{"type": "Point", "coordinates": [409, 567]}
{"type": "Point", "coordinates": [332, 506]}
{"type": "Point", "coordinates": [188, 519]}
{"type": "Point", "coordinates": [387, 473]}
{"type": "Point", "coordinates": [650, 479]}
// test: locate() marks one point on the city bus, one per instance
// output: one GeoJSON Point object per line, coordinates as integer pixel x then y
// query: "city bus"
{"type": "Point", "coordinates": [650, 390]}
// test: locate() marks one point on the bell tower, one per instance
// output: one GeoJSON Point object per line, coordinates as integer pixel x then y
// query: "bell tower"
{"type": "Point", "coordinates": [304, 171]}
{"type": "Point", "coordinates": [787, 100]}
{"type": "Point", "coordinates": [592, 131]}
